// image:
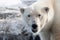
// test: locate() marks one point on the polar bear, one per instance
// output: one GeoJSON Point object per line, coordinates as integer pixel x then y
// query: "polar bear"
{"type": "Point", "coordinates": [39, 17]}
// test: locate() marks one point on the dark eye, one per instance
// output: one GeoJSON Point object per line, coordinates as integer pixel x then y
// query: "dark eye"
{"type": "Point", "coordinates": [46, 9]}
{"type": "Point", "coordinates": [29, 15]}
{"type": "Point", "coordinates": [39, 15]}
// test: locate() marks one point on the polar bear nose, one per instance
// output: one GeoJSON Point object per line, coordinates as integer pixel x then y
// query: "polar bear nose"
{"type": "Point", "coordinates": [34, 26]}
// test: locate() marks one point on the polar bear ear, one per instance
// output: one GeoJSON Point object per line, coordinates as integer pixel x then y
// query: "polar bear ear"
{"type": "Point", "coordinates": [22, 10]}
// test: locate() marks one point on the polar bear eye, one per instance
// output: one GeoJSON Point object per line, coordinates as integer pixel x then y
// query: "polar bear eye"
{"type": "Point", "coordinates": [39, 15]}
{"type": "Point", "coordinates": [46, 9]}
{"type": "Point", "coordinates": [29, 15]}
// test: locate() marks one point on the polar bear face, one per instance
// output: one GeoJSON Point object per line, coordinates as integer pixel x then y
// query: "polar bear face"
{"type": "Point", "coordinates": [38, 19]}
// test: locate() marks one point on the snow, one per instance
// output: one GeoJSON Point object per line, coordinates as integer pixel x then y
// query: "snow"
{"type": "Point", "coordinates": [28, 2]}
{"type": "Point", "coordinates": [8, 3]}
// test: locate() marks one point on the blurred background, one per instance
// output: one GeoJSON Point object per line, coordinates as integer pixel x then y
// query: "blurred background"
{"type": "Point", "coordinates": [8, 3]}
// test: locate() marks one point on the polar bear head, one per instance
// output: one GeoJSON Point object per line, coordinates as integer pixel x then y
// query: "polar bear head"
{"type": "Point", "coordinates": [39, 19]}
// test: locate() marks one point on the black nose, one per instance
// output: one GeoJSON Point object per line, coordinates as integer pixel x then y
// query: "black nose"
{"type": "Point", "coordinates": [34, 26]}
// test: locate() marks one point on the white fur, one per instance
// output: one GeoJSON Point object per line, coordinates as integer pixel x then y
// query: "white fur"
{"type": "Point", "coordinates": [38, 8]}
{"type": "Point", "coordinates": [56, 26]}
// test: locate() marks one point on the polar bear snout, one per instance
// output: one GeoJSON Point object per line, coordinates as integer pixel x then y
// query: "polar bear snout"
{"type": "Point", "coordinates": [34, 28]}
